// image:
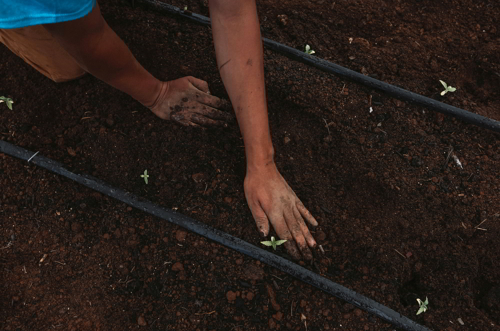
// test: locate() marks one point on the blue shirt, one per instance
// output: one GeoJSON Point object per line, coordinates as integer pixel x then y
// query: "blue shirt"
{"type": "Point", "coordinates": [22, 13]}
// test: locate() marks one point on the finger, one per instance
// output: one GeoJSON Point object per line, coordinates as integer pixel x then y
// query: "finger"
{"type": "Point", "coordinates": [199, 84]}
{"type": "Point", "coordinates": [261, 220]}
{"type": "Point", "coordinates": [182, 120]}
{"type": "Point", "coordinates": [215, 114]}
{"type": "Point", "coordinates": [215, 102]}
{"type": "Point", "coordinates": [281, 228]}
{"type": "Point", "coordinates": [307, 215]}
{"type": "Point", "coordinates": [292, 250]}
{"type": "Point", "coordinates": [205, 121]}
{"type": "Point", "coordinates": [305, 230]}
{"type": "Point", "coordinates": [296, 229]}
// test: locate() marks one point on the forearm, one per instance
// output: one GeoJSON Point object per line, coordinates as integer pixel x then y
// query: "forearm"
{"type": "Point", "coordinates": [99, 51]}
{"type": "Point", "coordinates": [238, 47]}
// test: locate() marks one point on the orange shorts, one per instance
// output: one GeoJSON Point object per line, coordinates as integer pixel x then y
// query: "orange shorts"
{"type": "Point", "coordinates": [36, 46]}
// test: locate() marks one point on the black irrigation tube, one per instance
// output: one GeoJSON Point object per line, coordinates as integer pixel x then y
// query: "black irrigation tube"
{"type": "Point", "coordinates": [354, 76]}
{"type": "Point", "coordinates": [220, 237]}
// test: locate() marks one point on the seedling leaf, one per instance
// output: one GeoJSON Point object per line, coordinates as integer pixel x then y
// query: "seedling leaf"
{"type": "Point", "coordinates": [8, 102]}
{"type": "Point", "coordinates": [273, 242]}
{"type": "Point", "coordinates": [423, 306]}
{"type": "Point", "coordinates": [308, 50]}
{"type": "Point", "coordinates": [447, 88]}
{"type": "Point", "coordinates": [145, 176]}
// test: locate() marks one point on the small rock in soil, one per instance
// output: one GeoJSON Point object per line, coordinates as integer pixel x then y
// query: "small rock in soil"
{"type": "Point", "coordinates": [254, 272]}
{"type": "Point", "coordinates": [250, 296]}
{"type": "Point", "coordinates": [272, 297]}
{"type": "Point", "coordinates": [231, 296]}
{"type": "Point", "coordinates": [71, 151]}
{"type": "Point", "coordinates": [320, 235]}
{"type": "Point", "coordinates": [283, 19]}
{"type": "Point", "coordinates": [287, 140]}
{"type": "Point", "coordinates": [180, 235]}
{"type": "Point", "coordinates": [177, 267]}
{"type": "Point", "coordinates": [142, 321]}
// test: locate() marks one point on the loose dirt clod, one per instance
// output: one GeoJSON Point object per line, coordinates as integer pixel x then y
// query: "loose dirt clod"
{"type": "Point", "coordinates": [272, 297]}
{"type": "Point", "coordinates": [142, 321]}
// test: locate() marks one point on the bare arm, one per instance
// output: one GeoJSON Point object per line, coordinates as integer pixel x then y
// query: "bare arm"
{"type": "Point", "coordinates": [99, 51]}
{"type": "Point", "coordinates": [238, 46]}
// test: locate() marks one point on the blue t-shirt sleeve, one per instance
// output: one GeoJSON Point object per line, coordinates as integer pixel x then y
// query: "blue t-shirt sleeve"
{"type": "Point", "coordinates": [22, 13]}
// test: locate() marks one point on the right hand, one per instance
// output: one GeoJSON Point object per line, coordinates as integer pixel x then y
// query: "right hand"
{"type": "Point", "coordinates": [272, 201]}
{"type": "Point", "coordinates": [188, 102]}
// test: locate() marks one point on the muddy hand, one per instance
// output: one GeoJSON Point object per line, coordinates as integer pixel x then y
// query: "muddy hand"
{"type": "Point", "coordinates": [188, 102]}
{"type": "Point", "coordinates": [271, 200]}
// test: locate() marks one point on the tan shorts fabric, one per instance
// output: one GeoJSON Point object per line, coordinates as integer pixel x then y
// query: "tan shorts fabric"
{"type": "Point", "coordinates": [35, 45]}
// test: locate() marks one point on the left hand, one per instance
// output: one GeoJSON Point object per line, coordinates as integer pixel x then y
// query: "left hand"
{"type": "Point", "coordinates": [188, 102]}
{"type": "Point", "coordinates": [272, 200]}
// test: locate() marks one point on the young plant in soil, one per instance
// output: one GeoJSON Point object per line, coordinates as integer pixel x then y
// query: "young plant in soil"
{"type": "Point", "coordinates": [273, 242]}
{"type": "Point", "coordinates": [447, 88]}
{"type": "Point", "coordinates": [145, 176]}
{"type": "Point", "coordinates": [308, 50]}
{"type": "Point", "coordinates": [423, 305]}
{"type": "Point", "coordinates": [8, 102]}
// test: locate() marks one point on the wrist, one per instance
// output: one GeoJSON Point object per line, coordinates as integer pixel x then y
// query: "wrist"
{"type": "Point", "coordinates": [159, 90]}
{"type": "Point", "coordinates": [262, 161]}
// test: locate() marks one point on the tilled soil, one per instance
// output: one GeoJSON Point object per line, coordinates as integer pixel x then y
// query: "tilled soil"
{"type": "Point", "coordinates": [399, 219]}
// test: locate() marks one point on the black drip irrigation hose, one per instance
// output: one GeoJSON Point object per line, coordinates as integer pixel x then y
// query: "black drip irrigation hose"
{"type": "Point", "coordinates": [354, 76]}
{"type": "Point", "coordinates": [220, 237]}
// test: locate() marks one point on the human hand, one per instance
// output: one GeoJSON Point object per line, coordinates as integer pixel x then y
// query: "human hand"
{"type": "Point", "coordinates": [188, 102]}
{"type": "Point", "coordinates": [272, 200]}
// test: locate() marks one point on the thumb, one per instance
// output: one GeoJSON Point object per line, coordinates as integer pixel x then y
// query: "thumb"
{"type": "Point", "coordinates": [199, 84]}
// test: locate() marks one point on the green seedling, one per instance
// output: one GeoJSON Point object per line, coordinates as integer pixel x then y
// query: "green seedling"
{"type": "Point", "coordinates": [447, 88]}
{"type": "Point", "coordinates": [185, 8]}
{"type": "Point", "coordinates": [273, 242]}
{"type": "Point", "coordinates": [8, 102]}
{"type": "Point", "coordinates": [423, 306]}
{"type": "Point", "coordinates": [145, 176]}
{"type": "Point", "coordinates": [308, 50]}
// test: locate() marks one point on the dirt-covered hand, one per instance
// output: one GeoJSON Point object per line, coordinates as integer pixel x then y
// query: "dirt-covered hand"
{"type": "Point", "coordinates": [272, 200]}
{"type": "Point", "coordinates": [188, 102]}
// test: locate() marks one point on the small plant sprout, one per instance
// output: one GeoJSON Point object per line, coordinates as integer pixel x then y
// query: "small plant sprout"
{"type": "Point", "coordinates": [145, 176]}
{"type": "Point", "coordinates": [308, 50]}
{"type": "Point", "coordinates": [185, 8]}
{"type": "Point", "coordinates": [423, 305]}
{"type": "Point", "coordinates": [273, 242]}
{"type": "Point", "coordinates": [8, 102]}
{"type": "Point", "coordinates": [447, 88]}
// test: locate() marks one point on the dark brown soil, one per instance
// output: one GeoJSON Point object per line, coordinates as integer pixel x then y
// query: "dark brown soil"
{"type": "Point", "coordinates": [397, 222]}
